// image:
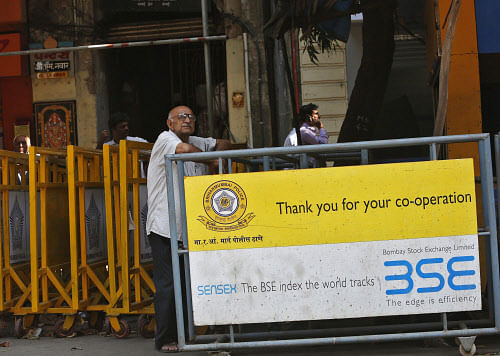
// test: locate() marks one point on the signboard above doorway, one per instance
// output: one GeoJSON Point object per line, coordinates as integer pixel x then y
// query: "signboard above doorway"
{"type": "Point", "coordinates": [52, 65]}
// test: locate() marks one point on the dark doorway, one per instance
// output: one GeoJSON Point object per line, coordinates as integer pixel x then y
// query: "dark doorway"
{"type": "Point", "coordinates": [146, 82]}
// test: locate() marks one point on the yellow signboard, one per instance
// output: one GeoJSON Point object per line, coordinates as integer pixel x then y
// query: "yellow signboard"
{"type": "Point", "coordinates": [331, 205]}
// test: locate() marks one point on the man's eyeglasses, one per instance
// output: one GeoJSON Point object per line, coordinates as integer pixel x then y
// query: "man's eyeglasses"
{"type": "Point", "coordinates": [184, 116]}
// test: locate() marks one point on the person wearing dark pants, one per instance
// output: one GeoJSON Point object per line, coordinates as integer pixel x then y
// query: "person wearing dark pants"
{"type": "Point", "coordinates": [164, 300]}
{"type": "Point", "coordinates": [178, 139]}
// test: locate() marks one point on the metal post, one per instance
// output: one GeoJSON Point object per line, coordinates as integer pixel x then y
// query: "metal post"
{"type": "Point", "coordinates": [432, 152]}
{"type": "Point", "coordinates": [221, 166]}
{"type": "Point", "coordinates": [247, 89]}
{"type": "Point", "coordinates": [266, 163]}
{"type": "Point", "coordinates": [497, 159]}
{"type": "Point", "coordinates": [231, 334]}
{"type": "Point", "coordinates": [490, 220]}
{"type": "Point", "coordinates": [284, 105]}
{"type": "Point", "coordinates": [171, 77]}
{"type": "Point", "coordinates": [181, 337]}
{"type": "Point", "coordinates": [208, 69]}
{"type": "Point", "coordinates": [303, 160]}
{"type": "Point", "coordinates": [489, 274]}
{"type": "Point", "coordinates": [364, 156]}
{"type": "Point", "coordinates": [187, 275]}
{"type": "Point", "coordinates": [444, 320]}
{"type": "Point", "coordinates": [229, 165]}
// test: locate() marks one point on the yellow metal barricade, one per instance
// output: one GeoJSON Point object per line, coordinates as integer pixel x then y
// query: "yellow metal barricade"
{"type": "Point", "coordinates": [51, 279]}
{"type": "Point", "coordinates": [14, 255]}
{"type": "Point", "coordinates": [88, 232]}
{"type": "Point", "coordinates": [129, 253]}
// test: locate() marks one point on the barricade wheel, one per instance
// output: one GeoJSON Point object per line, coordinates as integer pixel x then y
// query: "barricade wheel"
{"type": "Point", "coordinates": [60, 332]}
{"type": "Point", "coordinates": [124, 331]}
{"type": "Point", "coordinates": [19, 329]}
{"type": "Point", "coordinates": [145, 327]}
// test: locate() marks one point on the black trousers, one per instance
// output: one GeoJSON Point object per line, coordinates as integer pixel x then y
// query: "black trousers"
{"type": "Point", "coordinates": [166, 325]}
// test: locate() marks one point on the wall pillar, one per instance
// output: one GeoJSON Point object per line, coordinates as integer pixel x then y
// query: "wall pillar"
{"type": "Point", "coordinates": [80, 85]}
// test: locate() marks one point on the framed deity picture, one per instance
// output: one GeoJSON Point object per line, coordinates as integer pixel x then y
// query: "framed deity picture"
{"type": "Point", "coordinates": [55, 123]}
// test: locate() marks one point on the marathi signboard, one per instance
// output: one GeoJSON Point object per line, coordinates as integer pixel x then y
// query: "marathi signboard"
{"type": "Point", "coordinates": [52, 65]}
{"type": "Point", "coordinates": [333, 243]}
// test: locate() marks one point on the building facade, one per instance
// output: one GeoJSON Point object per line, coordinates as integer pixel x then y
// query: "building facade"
{"type": "Point", "coordinates": [66, 97]}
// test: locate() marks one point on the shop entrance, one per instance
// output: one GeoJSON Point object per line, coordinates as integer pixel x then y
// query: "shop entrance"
{"type": "Point", "coordinates": [146, 82]}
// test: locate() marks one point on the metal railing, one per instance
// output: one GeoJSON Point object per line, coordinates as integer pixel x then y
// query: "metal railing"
{"type": "Point", "coordinates": [279, 157]}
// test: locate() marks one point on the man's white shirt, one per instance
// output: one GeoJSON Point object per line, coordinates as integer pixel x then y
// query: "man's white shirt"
{"type": "Point", "coordinates": [291, 139]}
{"type": "Point", "coordinates": [158, 217]}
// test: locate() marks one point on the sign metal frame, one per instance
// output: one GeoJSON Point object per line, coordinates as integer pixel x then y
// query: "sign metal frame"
{"type": "Point", "coordinates": [317, 337]}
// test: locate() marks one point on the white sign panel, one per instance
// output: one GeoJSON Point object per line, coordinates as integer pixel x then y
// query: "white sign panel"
{"type": "Point", "coordinates": [332, 281]}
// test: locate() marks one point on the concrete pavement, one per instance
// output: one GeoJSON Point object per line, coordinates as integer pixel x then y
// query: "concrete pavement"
{"type": "Point", "coordinates": [94, 345]}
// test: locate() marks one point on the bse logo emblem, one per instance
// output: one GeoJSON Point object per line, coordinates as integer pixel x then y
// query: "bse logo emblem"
{"type": "Point", "coordinates": [225, 203]}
